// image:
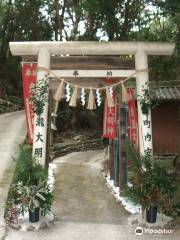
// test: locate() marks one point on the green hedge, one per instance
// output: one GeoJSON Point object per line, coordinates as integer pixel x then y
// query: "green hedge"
{"type": "Point", "coordinates": [26, 172]}
{"type": "Point", "coordinates": [29, 172]}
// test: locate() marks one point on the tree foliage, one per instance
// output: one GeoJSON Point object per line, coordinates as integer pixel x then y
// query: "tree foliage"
{"type": "Point", "coordinates": [101, 20]}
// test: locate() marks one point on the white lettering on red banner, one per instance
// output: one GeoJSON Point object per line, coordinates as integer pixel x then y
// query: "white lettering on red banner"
{"type": "Point", "coordinates": [133, 119]}
{"type": "Point", "coordinates": [110, 120]}
{"type": "Point", "coordinates": [28, 77]}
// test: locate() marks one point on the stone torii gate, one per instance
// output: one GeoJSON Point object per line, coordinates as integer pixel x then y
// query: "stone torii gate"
{"type": "Point", "coordinates": [141, 50]}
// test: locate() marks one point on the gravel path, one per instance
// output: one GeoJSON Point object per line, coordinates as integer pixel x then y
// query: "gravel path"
{"type": "Point", "coordinates": [84, 206]}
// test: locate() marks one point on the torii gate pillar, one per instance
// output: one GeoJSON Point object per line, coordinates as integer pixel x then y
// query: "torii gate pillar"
{"type": "Point", "coordinates": [39, 145]}
{"type": "Point", "coordinates": [144, 121]}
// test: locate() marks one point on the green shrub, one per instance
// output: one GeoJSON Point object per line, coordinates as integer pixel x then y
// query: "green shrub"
{"type": "Point", "coordinates": [30, 181]}
{"type": "Point", "coordinates": [28, 170]}
{"type": "Point", "coordinates": [152, 185]}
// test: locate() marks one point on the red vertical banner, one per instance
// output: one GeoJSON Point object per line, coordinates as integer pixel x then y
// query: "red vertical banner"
{"type": "Point", "coordinates": [28, 77]}
{"type": "Point", "coordinates": [110, 120]}
{"type": "Point", "coordinates": [132, 119]}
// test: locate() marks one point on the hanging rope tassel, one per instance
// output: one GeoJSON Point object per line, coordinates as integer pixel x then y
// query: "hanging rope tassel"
{"type": "Point", "coordinates": [91, 101]}
{"type": "Point", "coordinates": [110, 101]}
{"type": "Point", "coordinates": [59, 93]}
{"type": "Point", "coordinates": [73, 102]}
{"type": "Point", "coordinates": [56, 105]}
{"type": "Point", "coordinates": [124, 93]}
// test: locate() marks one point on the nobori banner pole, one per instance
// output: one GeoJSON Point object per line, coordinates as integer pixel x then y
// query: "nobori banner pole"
{"type": "Point", "coordinates": [40, 130]}
{"type": "Point", "coordinates": [144, 121]}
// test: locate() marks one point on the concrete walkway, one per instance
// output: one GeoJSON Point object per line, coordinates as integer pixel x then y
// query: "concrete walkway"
{"type": "Point", "coordinates": [84, 206]}
{"type": "Point", "coordinates": [12, 133]}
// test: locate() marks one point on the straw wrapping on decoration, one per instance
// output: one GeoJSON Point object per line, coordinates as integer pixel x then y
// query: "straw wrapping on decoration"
{"type": "Point", "coordinates": [73, 101]}
{"type": "Point", "coordinates": [59, 93]}
{"type": "Point", "coordinates": [124, 93]}
{"type": "Point", "coordinates": [91, 101]}
{"type": "Point", "coordinates": [110, 101]}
